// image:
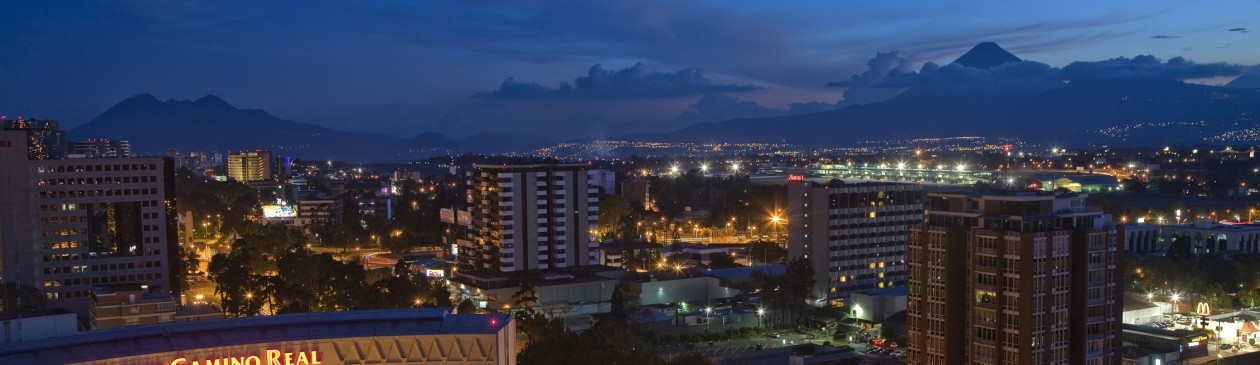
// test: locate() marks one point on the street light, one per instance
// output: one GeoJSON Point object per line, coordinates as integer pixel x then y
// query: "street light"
{"type": "Point", "coordinates": [707, 311]}
{"type": "Point", "coordinates": [761, 312]}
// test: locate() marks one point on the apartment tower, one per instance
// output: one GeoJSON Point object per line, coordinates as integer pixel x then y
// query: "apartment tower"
{"type": "Point", "coordinates": [1013, 278]}
{"type": "Point", "coordinates": [529, 217]}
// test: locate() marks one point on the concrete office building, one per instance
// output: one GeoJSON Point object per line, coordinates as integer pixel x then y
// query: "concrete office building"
{"type": "Point", "coordinates": [853, 234]}
{"type": "Point", "coordinates": [1020, 278]}
{"type": "Point", "coordinates": [67, 225]}
{"type": "Point", "coordinates": [529, 217]}
{"type": "Point", "coordinates": [247, 166]}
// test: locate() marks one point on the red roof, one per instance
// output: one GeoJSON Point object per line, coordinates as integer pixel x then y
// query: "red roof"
{"type": "Point", "coordinates": [1248, 327]}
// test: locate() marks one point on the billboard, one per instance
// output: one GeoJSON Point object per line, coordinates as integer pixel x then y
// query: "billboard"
{"type": "Point", "coordinates": [279, 211]}
{"type": "Point", "coordinates": [435, 273]}
{"type": "Point", "coordinates": [447, 215]}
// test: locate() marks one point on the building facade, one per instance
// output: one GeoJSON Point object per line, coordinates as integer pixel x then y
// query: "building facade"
{"type": "Point", "coordinates": [97, 148]}
{"type": "Point", "coordinates": [68, 225]}
{"type": "Point", "coordinates": [853, 234]}
{"type": "Point", "coordinates": [1022, 278]}
{"type": "Point", "coordinates": [529, 217]}
{"type": "Point", "coordinates": [247, 166]}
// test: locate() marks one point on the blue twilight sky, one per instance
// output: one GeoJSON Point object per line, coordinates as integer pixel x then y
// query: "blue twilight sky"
{"type": "Point", "coordinates": [406, 67]}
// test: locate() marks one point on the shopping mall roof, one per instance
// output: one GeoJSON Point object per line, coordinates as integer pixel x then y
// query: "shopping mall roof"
{"type": "Point", "coordinates": [183, 336]}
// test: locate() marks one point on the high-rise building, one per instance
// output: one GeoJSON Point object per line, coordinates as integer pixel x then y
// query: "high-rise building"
{"type": "Point", "coordinates": [1017, 278]}
{"type": "Point", "coordinates": [528, 217]}
{"type": "Point", "coordinates": [854, 235]}
{"type": "Point", "coordinates": [44, 138]}
{"type": "Point", "coordinates": [68, 225]}
{"type": "Point", "coordinates": [247, 166]}
{"type": "Point", "coordinates": [97, 148]}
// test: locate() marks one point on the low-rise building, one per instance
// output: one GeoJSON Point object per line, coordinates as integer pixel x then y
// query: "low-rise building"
{"type": "Point", "coordinates": [1205, 237]}
{"type": "Point", "coordinates": [877, 305]}
{"type": "Point", "coordinates": [132, 305]}
{"type": "Point", "coordinates": [129, 305]}
{"type": "Point", "coordinates": [37, 325]}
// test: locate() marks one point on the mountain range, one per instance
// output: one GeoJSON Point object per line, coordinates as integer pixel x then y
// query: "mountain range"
{"type": "Point", "coordinates": [211, 124]}
{"type": "Point", "coordinates": [1116, 111]}
{"type": "Point", "coordinates": [1113, 111]}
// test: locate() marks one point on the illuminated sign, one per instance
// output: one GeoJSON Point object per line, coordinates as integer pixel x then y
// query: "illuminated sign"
{"type": "Point", "coordinates": [273, 357]}
{"type": "Point", "coordinates": [796, 177]}
{"type": "Point", "coordinates": [278, 211]}
{"type": "Point", "coordinates": [435, 273]}
{"type": "Point", "coordinates": [446, 215]}
{"type": "Point", "coordinates": [1202, 309]}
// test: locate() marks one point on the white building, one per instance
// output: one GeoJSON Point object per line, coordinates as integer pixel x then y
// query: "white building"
{"type": "Point", "coordinates": [853, 234]}
{"type": "Point", "coordinates": [529, 217]}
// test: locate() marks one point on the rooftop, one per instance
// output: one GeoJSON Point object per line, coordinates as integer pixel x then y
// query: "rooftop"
{"type": "Point", "coordinates": [183, 336]}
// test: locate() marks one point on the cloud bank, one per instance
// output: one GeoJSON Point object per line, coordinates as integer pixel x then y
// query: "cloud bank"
{"type": "Point", "coordinates": [631, 82]}
{"type": "Point", "coordinates": [889, 75]}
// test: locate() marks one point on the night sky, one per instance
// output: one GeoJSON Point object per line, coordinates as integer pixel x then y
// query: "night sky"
{"type": "Point", "coordinates": [460, 67]}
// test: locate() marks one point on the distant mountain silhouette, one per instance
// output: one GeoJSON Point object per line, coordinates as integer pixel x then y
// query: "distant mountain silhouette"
{"type": "Point", "coordinates": [1035, 109]}
{"type": "Point", "coordinates": [1072, 114]}
{"type": "Point", "coordinates": [211, 124]}
{"type": "Point", "coordinates": [986, 55]}
{"type": "Point", "coordinates": [1249, 80]}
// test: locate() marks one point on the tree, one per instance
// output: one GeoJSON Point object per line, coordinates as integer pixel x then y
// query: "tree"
{"type": "Point", "coordinates": [526, 296]}
{"type": "Point", "coordinates": [188, 264]}
{"type": "Point", "coordinates": [16, 299]}
{"type": "Point", "coordinates": [602, 344]}
{"type": "Point", "coordinates": [1180, 248]}
{"type": "Point", "coordinates": [622, 302]}
{"type": "Point", "coordinates": [466, 307]}
{"type": "Point", "coordinates": [722, 261]}
{"type": "Point", "coordinates": [766, 252]}
{"type": "Point", "coordinates": [232, 280]}
{"type": "Point", "coordinates": [613, 209]}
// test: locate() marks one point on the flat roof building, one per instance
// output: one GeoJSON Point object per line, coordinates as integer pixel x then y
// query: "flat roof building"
{"type": "Point", "coordinates": [397, 336]}
{"type": "Point", "coordinates": [68, 225]}
{"type": "Point", "coordinates": [529, 217]}
{"type": "Point", "coordinates": [854, 235]}
{"type": "Point", "coordinates": [1013, 278]}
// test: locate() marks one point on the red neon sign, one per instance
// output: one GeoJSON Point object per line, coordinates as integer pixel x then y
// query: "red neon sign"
{"type": "Point", "coordinates": [796, 177]}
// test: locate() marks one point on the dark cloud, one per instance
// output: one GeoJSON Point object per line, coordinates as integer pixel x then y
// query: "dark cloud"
{"type": "Point", "coordinates": [864, 87]}
{"type": "Point", "coordinates": [1147, 66]}
{"type": "Point", "coordinates": [718, 107]}
{"type": "Point", "coordinates": [1240, 30]}
{"type": "Point", "coordinates": [1160, 36]}
{"type": "Point", "coordinates": [632, 82]}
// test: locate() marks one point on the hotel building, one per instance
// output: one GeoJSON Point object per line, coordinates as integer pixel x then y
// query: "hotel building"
{"type": "Point", "coordinates": [854, 235]}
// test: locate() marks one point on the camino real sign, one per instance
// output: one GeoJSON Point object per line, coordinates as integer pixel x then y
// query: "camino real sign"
{"type": "Point", "coordinates": [269, 357]}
